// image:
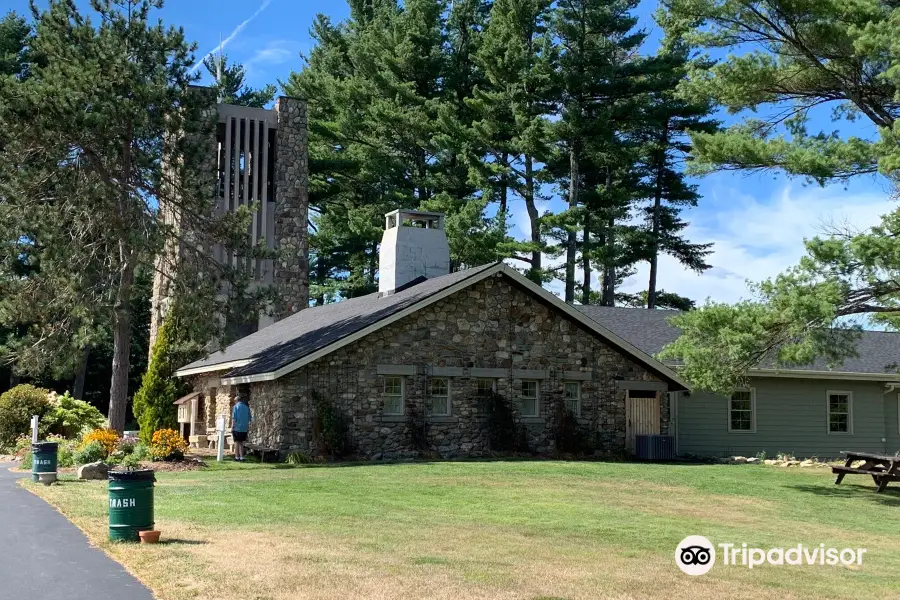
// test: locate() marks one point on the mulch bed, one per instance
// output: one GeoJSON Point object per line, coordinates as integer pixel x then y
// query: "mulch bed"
{"type": "Point", "coordinates": [188, 464]}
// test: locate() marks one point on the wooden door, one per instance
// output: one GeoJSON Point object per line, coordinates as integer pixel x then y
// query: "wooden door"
{"type": "Point", "coordinates": [641, 416]}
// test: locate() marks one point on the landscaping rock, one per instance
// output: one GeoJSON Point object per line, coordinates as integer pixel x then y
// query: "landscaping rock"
{"type": "Point", "coordinates": [752, 460]}
{"type": "Point", "coordinates": [378, 456]}
{"type": "Point", "coordinates": [771, 462]}
{"type": "Point", "coordinates": [791, 463]}
{"type": "Point", "coordinates": [808, 463]}
{"type": "Point", "coordinates": [94, 471]}
{"type": "Point", "coordinates": [738, 460]}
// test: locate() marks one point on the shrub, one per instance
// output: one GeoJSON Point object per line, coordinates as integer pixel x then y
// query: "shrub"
{"type": "Point", "coordinates": [131, 461]}
{"type": "Point", "coordinates": [569, 437]}
{"type": "Point", "coordinates": [329, 426]}
{"type": "Point", "coordinates": [27, 458]}
{"type": "Point", "coordinates": [16, 408]}
{"type": "Point", "coordinates": [89, 453]}
{"type": "Point", "coordinates": [141, 452]}
{"type": "Point", "coordinates": [70, 417]}
{"type": "Point", "coordinates": [298, 458]}
{"type": "Point", "coordinates": [65, 450]}
{"type": "Point", "coordinates": [168, 445]}
{"type": "Point", "coordinates": [504, 433]}
{"type": "Point", "coordinates": [154, 402]}
{"type": "Point", "coordinates": [107, 438]}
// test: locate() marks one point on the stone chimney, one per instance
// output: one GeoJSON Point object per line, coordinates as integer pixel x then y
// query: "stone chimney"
{"type": "Point", "coordinates": [414, 245]}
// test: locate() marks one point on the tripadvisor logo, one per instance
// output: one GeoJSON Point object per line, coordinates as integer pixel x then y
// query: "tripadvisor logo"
{"type": "Point", "coordinates": [696, 555]}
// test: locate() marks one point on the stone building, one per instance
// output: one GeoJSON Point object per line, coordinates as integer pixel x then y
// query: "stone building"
{"type": "Point", "coordinates": [258, 157]}
{"type": "Point", "coordinates": [408, 368]}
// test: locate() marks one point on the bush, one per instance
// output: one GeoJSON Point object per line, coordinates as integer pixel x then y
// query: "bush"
{"type": "Point", "coordinates": [107, 438]}
{"type": "Point", "coordinates": [329, 426]}
{"type": "Point", "coordinates": [70, 417]}
{"type": "Point", "coordinates": [168, 445]}
{"type": "Point", "coordinates": [27, 458]}
{"type": "Point", "coordinates": [89, 453]}
{"type": "Point", "coordinates": [65, 452]}
{"type": "Point", "coordinates": [16, 408]}
{"type": "Point", "coordinates": [154, 402]}
{"type": "Point", "coordinates": [131, 461]}
{"type": "Point", "coordinates": [298, 458]}
{"type": "Point", "coordinates": [141, 452]}
{"type": "Point", "coordinates": [570, 438]}
{"type": "Point", "coordinates": [504, 433]}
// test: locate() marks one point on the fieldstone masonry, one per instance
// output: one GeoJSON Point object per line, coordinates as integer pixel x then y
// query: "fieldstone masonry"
{"type": "Point", "coordinates": [493, 324]}
{"type": "Point", "coordinates": [291, 207]}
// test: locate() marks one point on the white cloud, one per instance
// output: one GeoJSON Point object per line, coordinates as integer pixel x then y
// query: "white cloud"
{"type": "Point", "coordinates": [231, 36]}
{"type": "Point", "coordinates": [756, 240]}
{"type": "Point", "coordinates": [275, 52]}
{"type": "Point", "coordinates": [753, 238]}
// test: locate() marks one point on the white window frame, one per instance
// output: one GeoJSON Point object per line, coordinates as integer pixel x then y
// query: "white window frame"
{"type": "Point", "coordinates": [828, 395]}
{"type": "Point", "coordinates": [490, 380]}
{"type": "Point", "coordinates": [385, 395]}
{"type": "Point", "coordinates": [752, 429]}
{"type": "Point", "coordinates": [446, 398]}
{"type": "Point", "coordinates": [577, 411]}
{"type": "Point", "coordinates": [537, 398]}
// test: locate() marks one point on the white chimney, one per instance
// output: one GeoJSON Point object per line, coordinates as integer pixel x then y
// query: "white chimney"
{"type": "Point", "coordinates": [414, 245]}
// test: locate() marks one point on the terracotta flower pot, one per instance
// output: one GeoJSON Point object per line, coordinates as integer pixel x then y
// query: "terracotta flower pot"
{"type": "Point", "coordinates": [149, 537]}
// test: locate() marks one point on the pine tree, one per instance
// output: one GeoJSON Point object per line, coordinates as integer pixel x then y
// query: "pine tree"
{"type": "Point", "coordinates": [104, 132]}
{"type": "Point", "coordinates": [666, 121]}
{"type": "Point", "coordinates": [154, 402]}
{"type": "Point", "coordinates": [229, 83]}
{"type": "Point", "coordinates": [518, 58]}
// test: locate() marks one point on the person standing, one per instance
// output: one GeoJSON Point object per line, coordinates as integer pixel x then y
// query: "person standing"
{"type": "Point", "coordinates": [240, 425]}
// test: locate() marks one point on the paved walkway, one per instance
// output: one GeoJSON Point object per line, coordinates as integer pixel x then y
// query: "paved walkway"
{"type": "Point", "coordinates": [45, 557]}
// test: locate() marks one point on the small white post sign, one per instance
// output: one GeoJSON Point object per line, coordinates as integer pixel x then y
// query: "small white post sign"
{"type": "Point", "coordinates": [220, 445]}
{"type": "Point", "coordinates": [34, 429]}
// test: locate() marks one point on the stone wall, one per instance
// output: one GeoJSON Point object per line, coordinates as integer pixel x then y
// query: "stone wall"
{"type": "Point", "coordinates": [491, 325]}
{"type": "Point", "coordinates": [291, 208]}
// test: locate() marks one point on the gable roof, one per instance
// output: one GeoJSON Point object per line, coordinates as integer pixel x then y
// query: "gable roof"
{"type": "Point", "coordinates": [878, 352]}
{"type": "Point", "coordinates": [312, 333]}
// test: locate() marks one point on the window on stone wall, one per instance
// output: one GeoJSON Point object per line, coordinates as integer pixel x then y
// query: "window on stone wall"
{"type": "Point", "coordinates": [572, 396]}
{"type": "Point", "coordinates": [438, 403]}
{"type": "Point", "coordinates": [484, 386]}
{"type": "Point", "coordinates": [528, 399]}
{"type": "Point", "coordinates": [393, 395]}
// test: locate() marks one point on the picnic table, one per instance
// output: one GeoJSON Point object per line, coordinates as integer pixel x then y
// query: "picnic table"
{"type": "Point", "coordinates": [883, 469]}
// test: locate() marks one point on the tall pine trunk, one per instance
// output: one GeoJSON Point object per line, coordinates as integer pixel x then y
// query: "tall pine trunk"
{"type": "Point", "coordinates": [535, 272]}
{"type": "Point", "coordinates": [81, 375]}
{"type": "Point", "coordinates": [657, 205]}
{"type": "Point", "coordinates": [572, 235]}
{"type": "Point", "coordinates": [504, 184]}
{"type": "Point", "coordinates": [118, 391]}
{"type": "Point", "coordinates": [586, 260]}
{"type": "Point", "coordinates": [609, 268]}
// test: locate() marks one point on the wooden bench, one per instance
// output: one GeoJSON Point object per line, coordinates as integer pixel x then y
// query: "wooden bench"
{"type": "Point", "coordinates": [883, 469]}
{"type": "Point", "coordinates": [261, 451]}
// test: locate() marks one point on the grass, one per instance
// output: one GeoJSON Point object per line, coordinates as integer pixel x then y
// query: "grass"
{"type": "Point", "coordinates": [524, 530]}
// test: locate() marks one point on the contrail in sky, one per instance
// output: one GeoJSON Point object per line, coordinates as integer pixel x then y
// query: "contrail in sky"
{"type": "Point", "coordinates": [234, 34]}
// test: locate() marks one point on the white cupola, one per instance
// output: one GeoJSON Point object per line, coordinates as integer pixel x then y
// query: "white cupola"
{"type": "Point", "coordinates": [414, 245]}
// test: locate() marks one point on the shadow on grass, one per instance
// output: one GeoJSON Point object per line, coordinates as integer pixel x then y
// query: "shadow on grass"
{"type": "Point", "coordinates": [889, 497]}
{"type": "Point", "coordinates": [180, 542]}
{"type": "Point", "coordinates": [485, 459]}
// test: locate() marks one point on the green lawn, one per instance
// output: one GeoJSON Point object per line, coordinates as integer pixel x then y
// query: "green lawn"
{"type": "Point", "coordinates": [530, 530]}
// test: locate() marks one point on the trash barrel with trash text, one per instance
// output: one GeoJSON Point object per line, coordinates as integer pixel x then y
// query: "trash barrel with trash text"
{"type": "Point", "coordinates": [43, 458]}
{"type": "Point", "coordinates": [130, 504]}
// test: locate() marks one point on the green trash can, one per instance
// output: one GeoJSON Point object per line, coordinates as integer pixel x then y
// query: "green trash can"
{"type": "Point", "coordinates": [43, 458]}
{"type": "Point", "coordinates": [130, 504]}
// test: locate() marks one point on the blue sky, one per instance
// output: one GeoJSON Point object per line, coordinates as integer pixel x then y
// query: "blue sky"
{"type": "Point", "coordinates": [757, 222]}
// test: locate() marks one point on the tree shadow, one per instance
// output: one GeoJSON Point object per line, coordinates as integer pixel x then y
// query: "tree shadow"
{"type": "Point", "coordinates": [889, 497]}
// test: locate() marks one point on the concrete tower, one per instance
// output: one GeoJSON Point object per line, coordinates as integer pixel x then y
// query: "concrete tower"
{"type": "Point", "coordinates": [414, 245]}
{"type": "Point", "coordinates": [258, 157]}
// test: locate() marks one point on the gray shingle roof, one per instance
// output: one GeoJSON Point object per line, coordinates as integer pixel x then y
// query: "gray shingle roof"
{"type": "Point", "coordinates": [310, 330]}
{"type": "Point", "coordinates": [649, 330]}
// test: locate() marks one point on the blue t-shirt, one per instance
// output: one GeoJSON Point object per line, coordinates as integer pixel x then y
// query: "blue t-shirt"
{"type": "Point", "coordinates": [240, 417]}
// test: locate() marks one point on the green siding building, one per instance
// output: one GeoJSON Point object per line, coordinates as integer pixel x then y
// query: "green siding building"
{"type": "Point", "coordinates": [805, 412]}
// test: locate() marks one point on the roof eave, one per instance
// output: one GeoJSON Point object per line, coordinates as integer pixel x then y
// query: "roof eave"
{"type": "Point", "coordinates": [225, 366]}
